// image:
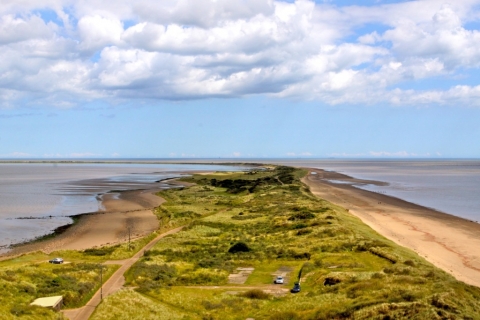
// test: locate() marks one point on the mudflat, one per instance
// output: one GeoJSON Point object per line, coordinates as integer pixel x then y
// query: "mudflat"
{"type": "Point", "coordinates": [449, 242]}
{"type": "Point", "coordinates": [125, 214]}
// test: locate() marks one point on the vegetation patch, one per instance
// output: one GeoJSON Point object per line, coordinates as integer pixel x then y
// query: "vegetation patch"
{"type": "Point", "coordinates": [239, 247]}
{"type": "Point", "coordinates": [256, 224]}
{"type": "Point", "coordinates": [256, 294]}
{"type": "Point", "coordinates": [268, 220]}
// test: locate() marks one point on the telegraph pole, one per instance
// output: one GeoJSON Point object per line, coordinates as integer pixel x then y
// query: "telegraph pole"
{"type": "Point", "coordinates": [128, 238]}
{"type": "Point", "coordinates": [101, 282]}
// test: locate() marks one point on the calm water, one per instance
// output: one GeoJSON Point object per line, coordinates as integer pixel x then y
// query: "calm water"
{"type": "Point", "coordinates": [37, 198]}
{"type": "Point", "coordinates": [50, 193]}
{"type": "Point", "coordinates": [445, 185]}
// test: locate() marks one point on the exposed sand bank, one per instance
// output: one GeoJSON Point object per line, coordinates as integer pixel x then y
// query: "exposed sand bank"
{"type": "Point", "coordinates": [121, 212]}
{"type": "Point", "coordinates": [449, 242]}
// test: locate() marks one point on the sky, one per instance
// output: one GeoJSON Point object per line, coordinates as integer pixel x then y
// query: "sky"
{"type": "Point", "coordinates": [239, 79]}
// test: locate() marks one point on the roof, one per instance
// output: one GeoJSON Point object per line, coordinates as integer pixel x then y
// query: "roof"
{"type": "Point", "coordinates": [47, 301]}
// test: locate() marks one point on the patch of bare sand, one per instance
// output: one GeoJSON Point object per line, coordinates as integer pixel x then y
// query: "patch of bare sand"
{"type": "Point", "coordinates": [241, 276]}
{"type": "Point", "coordinates": [283, 271]}
{"type": "Point", "coordinates": [449, 242]}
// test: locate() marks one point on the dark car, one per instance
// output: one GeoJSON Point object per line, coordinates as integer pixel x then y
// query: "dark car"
{"type": "Point", "coordinates": [296, 288]}
{"type": "Point", "coordinates": [56, 261]}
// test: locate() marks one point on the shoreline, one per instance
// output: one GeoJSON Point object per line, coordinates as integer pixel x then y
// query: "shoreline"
{"type": "Point", "coordinates": [108, 226]}
{"type": "Point", "coordinates": [121, 214]}
{"type": "Point", "coordinates": [132, 208]}
{"type": "Point", "coordinates": [449, 242]}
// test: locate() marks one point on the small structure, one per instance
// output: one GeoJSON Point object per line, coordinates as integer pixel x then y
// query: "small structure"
{"type": "Point", "coordinates": [55, 302]}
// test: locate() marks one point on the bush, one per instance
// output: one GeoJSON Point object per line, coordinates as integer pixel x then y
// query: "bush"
{"type": "Point", "coordinates": [409, 263]}
{"type": "Point", "coordinates": [99, 251]}
{"type": "Point", "coordinates": [239, 247]}
{"type": "Point", "coordinates": [304, 215]}
{"type": "Point", "coordinates": [287, 315]}
{"type": "Point", "coordinates": [383, 254]}
{"type": "Point", "coordinates": [20, 310]}
{"type": "Point", "coordinates": [255, 294]}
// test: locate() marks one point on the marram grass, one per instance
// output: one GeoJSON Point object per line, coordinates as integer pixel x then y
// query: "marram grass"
{"type": "Point", "coordinates": [346, 270]}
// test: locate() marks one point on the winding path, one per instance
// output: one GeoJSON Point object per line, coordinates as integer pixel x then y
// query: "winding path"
{"type": "Point", "coordinates": [114, 283]}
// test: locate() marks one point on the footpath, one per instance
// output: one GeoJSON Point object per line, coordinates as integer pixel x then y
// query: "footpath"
{"type": "Point", "coordinates": [114, 283]}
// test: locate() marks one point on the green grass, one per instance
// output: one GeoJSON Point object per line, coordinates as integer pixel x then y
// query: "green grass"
{"type": "Point", "coordinates": [348, 271]}
{"type": "Point", "coordinates": [21, 283]}
{"type": "Point", "coordinates": [128, 304]}
{"type": "Point", "coordinates": [263, 273]}
{"type": "Point", "coordinates": [366, 275]}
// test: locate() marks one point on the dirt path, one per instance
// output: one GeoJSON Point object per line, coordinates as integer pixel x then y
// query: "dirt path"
{"type": "Point", "coordinates": [114, 283]}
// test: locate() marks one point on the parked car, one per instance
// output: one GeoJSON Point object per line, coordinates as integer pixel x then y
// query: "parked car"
{"type": "Point", "coordinates": [56, 261]}
{"type": "Point", "coordinates": [278, 280]}
{"type": "Point", "coordinates": [296, 288]}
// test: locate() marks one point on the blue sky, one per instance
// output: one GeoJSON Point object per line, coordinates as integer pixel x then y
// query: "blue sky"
{"type": "Point", "coordinates": [239, 78]}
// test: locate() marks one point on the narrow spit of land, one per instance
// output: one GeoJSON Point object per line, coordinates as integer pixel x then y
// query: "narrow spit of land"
{"type": "Point", "coordinates": [267, 222]}
{"type": "Point", "coordinates": [346, 270]}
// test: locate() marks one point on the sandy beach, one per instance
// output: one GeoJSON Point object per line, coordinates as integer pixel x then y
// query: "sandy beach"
{"type": "Point", "coordinates": [122, 213]}
{"type": "Point", "coordinates": [451, 243]}
{"type": "Point", "coordinates": [448, 242]}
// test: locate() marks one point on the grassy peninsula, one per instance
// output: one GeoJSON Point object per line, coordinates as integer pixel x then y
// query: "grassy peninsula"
{"type": "Point", "coordinates": [346, 270]}
{"type": "Point", "coordinates": [243, 229]}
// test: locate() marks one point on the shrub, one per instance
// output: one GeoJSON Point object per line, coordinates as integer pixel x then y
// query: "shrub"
{"type": "Point", "coordinates": [239, 247]}
{"type": "Point", "coordinates": [287, 315]}
{"type": "Point", "coordinates": [99, 251]}
{"type": "Point", "coordinates": [303, 231]}
{"type": "Point", "coordinates": [255, 294]}
{"type": "Point", "coordinates": [20, 310]}
{"type": "Point", "coordinates": [330, 281]}
{"type": "Point", "coordinates": [409, 263]}
{"type": "Point", "coordinates": [383, 254]}
{"type": "Point", "coordinates": [304, 215]}
{"type": "Point", "coordinates": [299, 226]}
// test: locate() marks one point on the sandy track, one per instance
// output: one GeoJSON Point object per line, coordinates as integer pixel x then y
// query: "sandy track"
{"type": "Point", "coordinates": [114, 283]}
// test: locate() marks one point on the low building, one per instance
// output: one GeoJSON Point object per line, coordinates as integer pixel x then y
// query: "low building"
{"type": "Point", "coordinates": [55, 303]}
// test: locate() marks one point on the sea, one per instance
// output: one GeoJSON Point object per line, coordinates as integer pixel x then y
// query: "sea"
{"type": "Point", "coordinates": [37, 198]}
{"type": "Point", "coordinates": [446, 185]}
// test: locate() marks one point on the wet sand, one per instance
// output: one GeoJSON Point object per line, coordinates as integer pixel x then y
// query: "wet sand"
{"type": "Point", "coordinates": [450, 243]}
{"type": "Point", "coordinates": [122, 213]}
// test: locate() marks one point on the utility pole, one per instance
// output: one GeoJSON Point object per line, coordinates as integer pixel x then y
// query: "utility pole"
{"type": "Point", "coordinates": [128, 238]}
{"type": "Point", "coordinates": [101, 282]}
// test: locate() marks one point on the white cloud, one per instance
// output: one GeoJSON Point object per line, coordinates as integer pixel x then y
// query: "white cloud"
{"type": "Point", "coordinates": [83, 155]}
{"type": "Point", "coordinates": [17, 154]}
{"type": "Point", "coordinates": [72, 155]}
{"type": "Point", "coordinates": [400, 154]}
{"type": "Point", "coordinates": [347, 155]}
{"type": "Point", "coordinates": [14, 29]}
{"type": "Point", "coordinates": [97, 32]}
{"type": "Point", "coordinates": [192, 49]}
{"type": "Point", "coordinates": [301, 154]}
